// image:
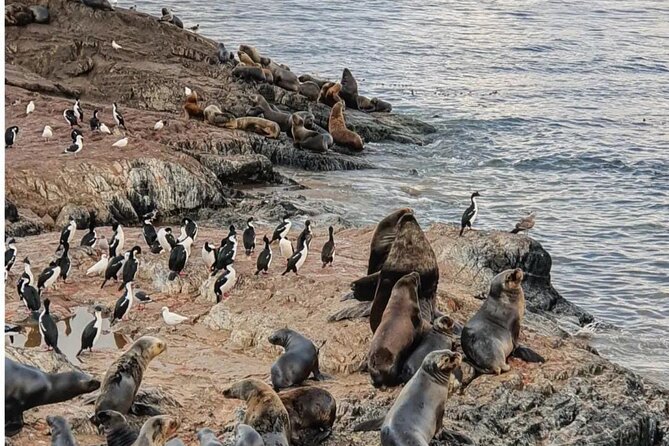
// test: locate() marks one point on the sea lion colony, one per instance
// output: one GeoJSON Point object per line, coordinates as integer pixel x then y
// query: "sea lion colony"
{"type": "Point", "coordinates": [412, 342]}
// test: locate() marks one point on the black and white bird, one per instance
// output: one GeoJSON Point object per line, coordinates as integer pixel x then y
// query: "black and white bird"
{"type": "Point", "coordinates": [227, 251]}
{"type": "Point", "coordinates": [74, 133]}
{"type": "Point", "coordinates": [286, 247]}
{"type": "Point", "coordinates": [142, 298]}
{"type": "Point", "coordinates": [188, 229]}
{"type": "Point", "coordinates": [91, 236]}
{"type": "Point", "coordinates": [249, 237]}
{"type": "Point", "coordinates": [469, 216]}
{"type": "Point", "coordinates": [100, 267]}
{"type": "Point", "coordinates": [178, 257]}
{"type": "Point", "coordinates": [10, 136]}
{"type": "Point", "coordinates": [281, 230]}
{"type": "Point", "coordinates": [68, 232]}
{"type": "Point", "coordinates": [328, 251]}
{"type": "Point", "coordinates": [76, 146]}
{"type": "Point", "coordinates": [95, 122]}
{"type": "Point", "coordinates": [166, 240]}
{"type": "Point", "coordinates": [298, 258]}
{"type": "Point", "coordinates": [149, 233]}
{"type": "Point", "coordinates": [47, 328]}
{"type": "Point", "coordinates": [92, 332]}
{"type": "Point", "coordinates": [29, 295]}
{"type": "Point", "coordinates": [78, 111]}
{"type": "Point", "coordinates": [64, 261]}
{"type": "Point", "coordinates": [118, 117]}
{"type": "Point", "coordinates": [130, 266]}
{"type": "Point", "coordinates": [303, 235]}
{"type": "Point", "coordinates": [48, 277]}
{"type": "Point", "coordinates": [70, 118]}
{"type": "Point", "coordinates": [117, 241]}
{"type": "Point", "coordinates": [114, 266]}
{"type": "Point", "coordinates": [209, 255]}
{"type": "Point", "coordinates": [123, 305]}
{"type": "Point", "coordinates": [27, 272]}
{"type": "Point", "coordinates": [265, 258]}
{"type": "Point", "coordinates": [10, 254]}
{"type": "Point", "coordinates": [225, 282]}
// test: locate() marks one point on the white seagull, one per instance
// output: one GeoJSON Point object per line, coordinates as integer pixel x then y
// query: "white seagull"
{"type": "Point", "coordinates": [172, 318]}
{"type": "Point", "coordinates": [99, 267]}
{"type": "Point", "coordinates": [30, 108]}
{"type": "Point", "coordinates": [121, 142]}
{"type": "Point", "coordinates": [104, 129]}
{"type": "Point", "coordinates": [116, 46]}
{"type": "Point", "coordinates": [47, 133]}
{"type": "Point", "coordinates": [159, 125]}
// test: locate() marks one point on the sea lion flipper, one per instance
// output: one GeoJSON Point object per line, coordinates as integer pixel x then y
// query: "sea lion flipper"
{"type": "Point", "coordinates": [370, 425]}
{"type": "Point", "coordinates": [527, 354]}
{"type": "Point", "coordinates": [145, 410]}
{"type": "Point", "coordinates": [360, 310]}
{"type": "Point", "coordinates": [364, 288]}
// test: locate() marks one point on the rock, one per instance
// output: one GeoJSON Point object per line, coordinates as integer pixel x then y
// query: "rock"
{"type": "Point", "coordinates": [28, 223]}
{"type": "Point", "coordinates": [49, 362]}
{"type": "Point", "coordinates": [80, 214]}
{"type": "Point", "coordinates": [11, 213]}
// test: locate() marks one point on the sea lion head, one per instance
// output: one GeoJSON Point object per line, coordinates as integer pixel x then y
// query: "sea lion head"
{"type": "Point", "coordinates": [149, 347]}
{"type": "Point", "coordinates": [381, 368]}
{"type": "Point", "coordinates": [440, 364]}
{"type": "Point", "coordinates": [280, 337]}
{"type": "Point", "coordinates": [443, 324]}
{"type": "Point", "coordinates": [265, 61]}
{"type": "Point", "coordinates": [110, 418]}
{"type": "Point", "coordinates": [338, 108]}
{"type": "Point", "coordinates": [296, 120]}
{"type": "Point", "coordinates": [507, 283]}
{"type": "Point", "coordinates": [244, 389]}
{"type": "Point", "coordinates": [159, 429]}
{"type": "Point", "coordinates": [57, 424]}
{"type": "Point", "coordinates": [411, 280]}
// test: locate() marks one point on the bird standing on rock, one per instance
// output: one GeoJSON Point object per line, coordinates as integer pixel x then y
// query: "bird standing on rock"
{"type": "Point", "coordinates": [48, 328]}
{"type": "Point", "coordinates": [116, 46]}
{"type": "Point", "coordinates": [166, 240]}
{"type": "Point", "coordinates": [95, 122]}
{"type": "Point", "coordinates": [64, 261]}
{"type": "Point", "coordinates": [68, 232]}
{"type": "Point", "coordinates": [48, 276]}
{"type": "Point", "coordinates": [227, 252]}
{"type": "Point", "coordinates": [76, 146]}
{"type": "Point", "coordinates": [303, 235]}
{"type": "Point", "coordinates": [328, 251]}
{"type": "Point", "coordinates": [149, 231]}
{"type": "Point", "coordinates": [249, 237]}
{"type": "Point", "coordinates": [92, 332]}
{"type": "Point", "coordinates": [78, 111]}
{"type": "Point", "coordinates": [225, 282]}
{"type": "Point", "coordinates": [208, 255]}
{"type": "Point", "coordinates": [525, 224]}
{"type": "Point", "coordinates": [47, 133]}
{"type": "Point", "coordinates": [118, 240]}
{"type": "Point", "coordinates": [10, 254]}
{"type": "Point", "coordinates": [121, 142]}
{"type": "Point", "coordinates": [91, 237]}
{"type": "Point", "coordinates": [281, 230]}
{"type": "Point", "coordinates": [188, 229]}
{"type": "Point", "coordinates": [298, 258]}
{"type": "Point", "coordinates": [178, 257]}
{"type": "Point", "coordinates": [114, 265]}
{"type": "Point", "coordinates": [30, 108]}
{"type": "Point", "coordinates": [70, 118]}
{"type": "Point", "coordinates": [469, 216]}
{"type": "Point", "coordinates": [10, 136]}
{"type": "Point", "coordinates": [123, 305]}
{"type": "Point", "coordinates": [286, 247]}
{"type": "Point", "coordinates": [170, 318]}
{"type": "Point", "coordinates": [29, 295]}
{"type": "Point", "coordinates": [118, 117]}
{"type": "Point", "coordinates": [265, 258]}
{"type": "Point", "coordinates": [130, 266]}
{"type": "Point", "coordinates": [99, 267]}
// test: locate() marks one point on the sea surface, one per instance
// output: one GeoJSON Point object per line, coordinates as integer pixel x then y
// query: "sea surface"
{"type": "Point", "coordinates": [559, 107]}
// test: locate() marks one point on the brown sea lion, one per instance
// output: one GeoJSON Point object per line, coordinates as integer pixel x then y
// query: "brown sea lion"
{"type": "Point", "coordinates": [251, 52]}
{"type": "Point", "coordinates": [214, 116]}
{"type": "Point", "coordinates": [310, 90]}
{"type": "Point", "coordinates": [269, 77]}
{"type": "Point", "coordinates": [299, 360]}
{"type": "Point", "coordinates": [439, 337]}
{"type": "Point", "coordinates": [349, 89]}
{"type": "Point", "coordinates": [192, 108]}
{"type": "Point", "coordinates": [365, 104]}
{"type": "Point", "coordinates": [340, 134]}
{"type": "Point", "coordinates": [264, 410]}
{"type": "Point", "coordinates": [308, 139]}
{"type": "Point", "coordinates": [381, 106]}
{"type": "Point", "coordinates": [284, 78]}
{"type": "Point", "coordinates": [124, 376]}
{"type": "Point", "coordinates": [249, 73]}
{"type": "Point", "coordinates": [268, 112]}
{"type": "Point", "coordinates": [18, 15]}
{"type": "Point", "coordinates": [400, 328]}
{"type": "Point", "coordinates": [156, 431]}
{"type": "Point", "coordinates": [261, 126]}
{"type": "Point", "coordinates": [314, 79]}
{"type": "Point", "coordinates": [329, 94]}
{"type": "Point", "coordinates": [246, 60]}
{"type": "Point", "coordinates": [411, 251]}
{"type": "Point", "coordinates": [312, 412]}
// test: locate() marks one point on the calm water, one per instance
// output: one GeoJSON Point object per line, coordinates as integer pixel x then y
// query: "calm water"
{"type": "Point", "coordinates": [561, 107]}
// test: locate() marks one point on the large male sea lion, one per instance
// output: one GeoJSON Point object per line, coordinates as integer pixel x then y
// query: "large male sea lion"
{"type": "Point", "coordinates": [439, 337]}
{"type": "Point", "coordinates": [491, 335]}
{"type": "Point", "coordinates": [27, 387]}
{"type": "Point", "coordinates": [298, 361]}
{"type": "Point", "coordinates": [261, 126]}
{"type": "Point", "coordinates": [411, 251]}
{"type": "Point", "coordinates": [124, 376]}
{"type": "Point", "coordinates": [339, 132]}
{"type": "Point", "coordinates": [308, 139]}
{"type": "Point", "coordinates": [399, 330]}
{"type": "Point", "coordinates": [264, 410]}
{"type": "Point", "coordinates": [312, 412]}
{"type": "Point", "coordinates": [349, 89]}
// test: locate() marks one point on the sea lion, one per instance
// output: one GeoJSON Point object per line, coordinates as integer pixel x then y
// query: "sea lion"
{"type": "Point", "coordinates": [61, 434]}
{"type": "Point", "coordinates": [491, 335]}
{"type": "Point", "coordinates": [207, 437]}
{"type": "Point", "coordinates": [400, 329]}
{"type": "Point", "coordinates": [40, 13]}
{"type": "Point", "coordinates": [329, 94]}
{"type": "Point", "coordinates": [249, 73]}
{"type": "Point", "coordinates": [298, 361]}
{"type": "Point", "coordinates": [281, 118]}
{"type": "Point", "coordinates": [308, 139]}
{"type": "Point", "coordinates": [156, 431]}
{"type": "Point", "coordinates": [264, 410]}
{"type": "Point", "coordinates": [245, 435]}
{"type": "Point", "coordinates": [339, 132]}
{"type": "Point", "coordinates": [269, 77]}
{"type": "Point", "coordinates": [314, 79]}
{"type": "Point", "coordinates": [261, 126]}
{"type": "Point", "coordinates": [439, 337]}
{"type": "Point", "coordinates": [192, 108]}
{"type": "Point", "coordinates": [411, 251]}
{"type": "Point", "coordinates": [365, 104]}
{"type": "Point", "coordinates": [417, 413]}
{"type": "Point", "coordinates": [349, 89]}
{"type": "Point", "coordinates": [310, 90]}
{"type": "Point", "coordinates": [224, 56]}
{"type": "Point", "coordinates": [381, 106]}
{"type": "Point", "coordinates": [284, 78]}
{"type": "Point", "coordinates": [213, 115]}
{"type": "Point", "coordinates": [124, 376]}
{"type": "Point", "coordinates": [27, 387]}
{"type": "Point", "coordinates": [252, 53]}
{"type": "Point", "coordinates": [98, 4]}
{"type": "Point", "coordinates": [246, 60]}
{"type": "Point", "coordinates": [312, 412]}
{"type": "Point", "coordinates": [18, 15]}
{"type": "Point", "coordinates": [116, 429]}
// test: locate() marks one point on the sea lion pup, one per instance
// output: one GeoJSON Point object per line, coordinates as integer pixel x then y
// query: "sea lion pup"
{"type": "Point", "coordinates": [400, 328]}
{"type": "Point", "coordinates": [491, 335]}
{"type": "Point", "coordinates": [349, 89]}
{"type": "Point", "coordinates": [381, 106]}
{"type": "Point", "coordinates": [249, 73]}
{"type": "Point", "coordinates": [192, 108]}
{"type": "Point", "coordinates": [329, 94]}
{"type": "Point", "coordinates": [298, 361]}
{"type": "Point", "coordinates": [116, 429]}
{"type": "Point", "coordinates": [310, 78]}
{"type": "Point", "coordinates": [308, 139]}
{"type": "Point", "coordinates": [261, 126]}
{"type": "Point", "coordinates": [61, 434]}
{"type": "Point", "coordinates": [284, 78]}
{"type": "Point", "coordinates": [439, 337]}
{"type": "Point", "coordinates": [281, 118]}
{"type": "Point", "coordinates": [365, 104]}
{"type": "Point", "coordinates": [213, 115]}
{"type": "Point", "coordinates": [207, 437]}
{"type": "Point", "coordinates": [156, 431]}
{"type": "Point", "coordinates": [312, 412]}
{"type": "Point", "coordinates": [340, 134]}
{"type": "Point", "coordinates": [264, 410]}
{"type": "Point", "coordinates": [27, 387]}
{"type": "Point", "coordinates": [246, 60]}
{"type": "Point", "coordinates": [411, 251]}
{"type": "Point", "coordinates": [310, 90]}
{"type": "Point", "coordinates": [251, 52]}
{"type": "Point", "coordinates": [269, 77]}
{"type": "Point", "coordinates": [124, 376]}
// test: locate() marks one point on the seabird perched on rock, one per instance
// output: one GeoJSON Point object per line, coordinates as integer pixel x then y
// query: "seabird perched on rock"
{"type": "Point", "coordinates": [166, 240]}
{"type": "Point", "coordinates": [130, 266]}
{"type": "Point", "coordinates": [95, 122]}
{"type": "Point", "coordinates": [10, 136]}
{"type": "Point", "coordinates": [172, 318]}
{"type": "Point", "coordinates": [64, 261]}
{"type": "Point", "coordinates": [48, 328]}
{"type": "Point", "coordinates": [114, 266]}
{"type": "Point", "coordinates": [225, 282]}
{"type": "Point", "coordinates": [117, 241]}
{"type": "Point", "coordinates": [158, 125]}
{"type": "Point", "coordinates": [281, 230]}
{"type": "Point", "coordinates": [100, 267]}
{"type": "Point", "coordinates": [142, 297]}
{"type": "Point", "coordinates": [188, 229]}
{"type": "Point", "coordinates": [209, 255]}
{"type": "Point", "coordinates": [249, 237]}
{"type": "Point", "coordinates": [92, 332]}
{"type": "Point", "coordinates": [227, 251]}
{"type": "Point", "coordinates": [30, 108]}
{"type": "Point", "coordinates": [298, 258]}
{"type": "Point", "coordinates": [123, 305]}
{"type": "Point", "coordinates": [76, 146]}
{"type": "Point", "coordinates": [74, 133]}
{"type": "Point", "coordinates": [149, 232]}
{"type": "Point", "coordinates": [116, 46]}
{"type": "Point", "coordinates": [68, 232]}
{"type": "Point", "coordinates": [286, 247]}
{"type": "Point", "coordinates": [104, 129]}
{"type": "Point", "coordinates": [178, 257]}
{"type": "Point", "coordinates": [29, 295]}
{"type": "Point", "coordinates": [47, 133]}
{"type": "Point", "coordinates": [524, 224]}
{"type": "Point", "coordinates": [78, 111]}
{"type": "Point", "coordinates": [27, 272]}
{"type": "Point", "coordinates": [265, 258]}
{"type": "Point", "coordinates": [303, 235]}
{"type": "Point", "coordinates": [70, 118]}
{"type": "Point", "coordinates": [48, 276]}
{"type": "Point", "coordinates": [469, 216]}
{"type": "Point", "coordinates": [121, 142]}
{"type": "Point", "coordinates": [328, 251]}
{"type": "Point", "coordinates": [91, 236]}
{"type": "Point", "coordinates": [10, 254]}
{"type": "Point", "coordinates": [118, 117]}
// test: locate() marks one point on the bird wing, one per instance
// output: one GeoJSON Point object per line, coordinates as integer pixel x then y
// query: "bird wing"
{"type": "Point", "coordinates": [279, 229]}
{"type": "Point", "coordinates": [468, 214]}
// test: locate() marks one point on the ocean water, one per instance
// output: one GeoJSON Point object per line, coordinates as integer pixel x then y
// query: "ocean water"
{"type": "Point", "coordinates": [560, 107]}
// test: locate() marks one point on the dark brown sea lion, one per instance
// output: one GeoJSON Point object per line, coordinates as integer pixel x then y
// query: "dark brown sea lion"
{"type": "Point", "coordinates": [312, 412]}
{"type": "Point", "coordinates": [264, 410]}
{"type": "Point", "coordinates": [439, 337]}
{"type": "Point", "coordinates": [116, 429]}
{"type": "Point", "coordinates": [341, 135]}
{"type": "Point", "coordinates": [400, 329]}
{"type": "Point", "coordinates": [308, 139]}
{"type": "Point", "coordinates": [124, 376]}
{"type": "Point", "coordinates": [299, 360]}
{"type": "Point", "coordinates": [281, 118]}
{"type": "Point", "coordinates": [269, 77]}
{"type": "Point", "coordinates": [349, 89]}
{"type": "Point", "coordinates": [249, 73]}
{"type": "Point", "coordinates": [27, 387]}
{"type": "Point", "coordinates": [381, 106]}
{"type": "Point", "coordinates": [192, 108]}
{"type": "Point", "coordinates": [310, 90]}
{"type": "Point", "coordinates": [411, 251]}
{"type": "Point", "coordinates": [284, 78]}
{"type": "Point", "coordinates": [261, 126]}
{"type": "Point", "coordinates": [314, 79]}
